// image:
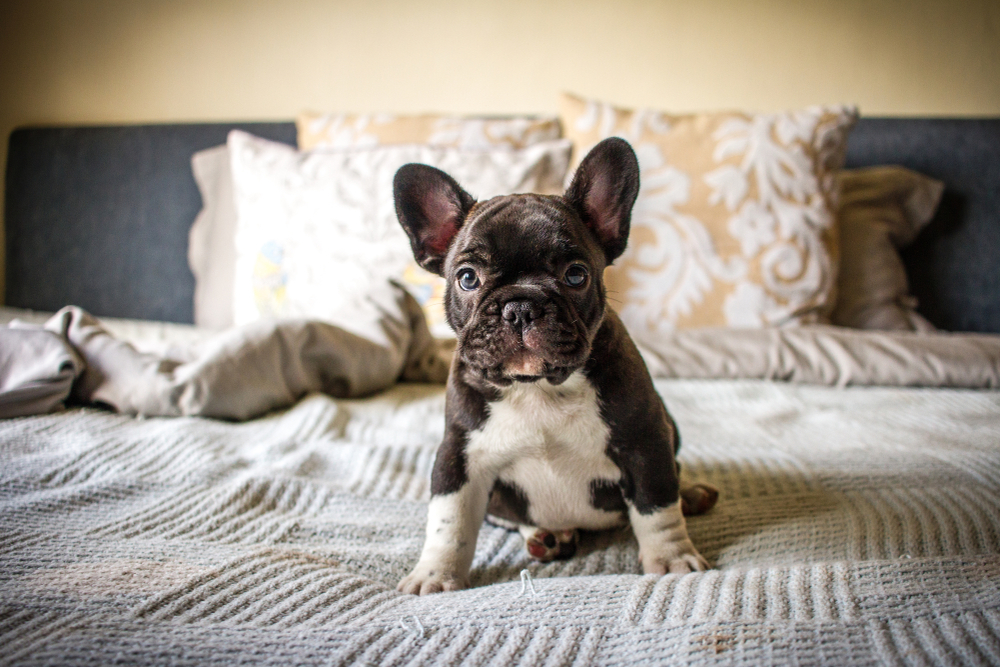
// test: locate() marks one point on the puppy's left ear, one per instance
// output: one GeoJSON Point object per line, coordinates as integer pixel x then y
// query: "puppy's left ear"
{"type": "Point", "coordinates": [603, 191]}
{"type": "Point", "coordinates": [431, 207]}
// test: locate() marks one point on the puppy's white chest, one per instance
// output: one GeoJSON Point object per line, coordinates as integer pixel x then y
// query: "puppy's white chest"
{"type": "Point", "coordinates": [550, 442]}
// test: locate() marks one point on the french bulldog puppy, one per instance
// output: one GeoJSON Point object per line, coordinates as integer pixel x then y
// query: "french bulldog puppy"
{"type": "Point", "coordinates": [552, 421]}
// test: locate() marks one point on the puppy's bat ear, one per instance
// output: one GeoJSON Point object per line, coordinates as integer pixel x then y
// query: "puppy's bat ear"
{"type": "Point", "coordinates": [603, 191]}
{"type": "Point", "coordinates": [431, 207]}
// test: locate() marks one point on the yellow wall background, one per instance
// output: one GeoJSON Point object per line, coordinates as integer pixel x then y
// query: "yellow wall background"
{"type": "Point", "coordinates": [124, 61]}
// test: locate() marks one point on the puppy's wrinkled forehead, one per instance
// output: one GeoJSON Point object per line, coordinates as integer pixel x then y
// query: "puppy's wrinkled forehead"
{"type": "Point", "coordinates": [523, 232]}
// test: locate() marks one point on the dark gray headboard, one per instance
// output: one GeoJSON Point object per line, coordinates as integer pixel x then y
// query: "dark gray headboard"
{"type": "Point", "coordinates": [954, 265]}
{"type": "Point", "coordinates": [99, 217]}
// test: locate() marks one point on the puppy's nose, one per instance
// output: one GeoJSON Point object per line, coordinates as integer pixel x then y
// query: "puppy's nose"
{"type": "Point", "coordinates": [520, 313]}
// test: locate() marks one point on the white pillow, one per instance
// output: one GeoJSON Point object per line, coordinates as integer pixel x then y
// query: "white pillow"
{"type": "Point", "coordinates": [315, 229]}
{"type": "Point", "coordinates": [211, 246]}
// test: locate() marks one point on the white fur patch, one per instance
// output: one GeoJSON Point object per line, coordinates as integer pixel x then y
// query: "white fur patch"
{"type": "Point", "coordinates": [452, 527]}
{"type": "Point", "coordinates": [664, 544]}
{"type": "Point", "coordinates": [550, 441]}
{"type": "Point", "coordinates": [453, 522]}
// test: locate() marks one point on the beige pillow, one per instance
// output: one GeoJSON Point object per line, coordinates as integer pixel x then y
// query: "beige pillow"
{"type": "Point", "coordinates": [881, 210]}
{"type": "Point", "coordinates": [734, 222]}
{"type": "Point", "coordinates": [352, 130]}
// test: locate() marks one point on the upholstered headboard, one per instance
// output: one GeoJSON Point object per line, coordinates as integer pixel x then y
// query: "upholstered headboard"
{"type": "Point", "coordinates": [954, 265]}
{"type": "Point", "coordinates": [99, 216]}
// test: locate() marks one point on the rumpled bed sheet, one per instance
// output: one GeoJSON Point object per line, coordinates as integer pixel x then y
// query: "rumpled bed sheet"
{"type": "Point", "coordinates": [855, 526]}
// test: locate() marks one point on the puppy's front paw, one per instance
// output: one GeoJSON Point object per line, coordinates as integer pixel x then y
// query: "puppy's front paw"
{"type": "Point", "coordinates": [428, 578]}
{"type": "Point", "coordinates": [681, 561]}
{"type": "Point", "coordinates": [664, 544]}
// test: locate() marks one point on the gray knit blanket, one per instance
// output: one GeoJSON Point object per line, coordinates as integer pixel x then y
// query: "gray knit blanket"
{"type": "Point", "coordinates": [856, 525]}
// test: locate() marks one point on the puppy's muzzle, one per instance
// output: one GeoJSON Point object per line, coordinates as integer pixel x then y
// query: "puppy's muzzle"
{"type": "Point", "coordinates": [523, 334]}
{"type": "Point", "coordinates": [520, 315]}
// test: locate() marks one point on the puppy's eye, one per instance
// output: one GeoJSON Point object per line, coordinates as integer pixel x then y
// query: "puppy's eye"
{"type": "Point", "coordinates": [576, 275]}
{"type": "Point", "coordinates": [468, 280]}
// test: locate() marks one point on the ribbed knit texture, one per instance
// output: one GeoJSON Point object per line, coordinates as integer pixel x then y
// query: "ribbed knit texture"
{"type": "Point", "coordinates": [855, 526]}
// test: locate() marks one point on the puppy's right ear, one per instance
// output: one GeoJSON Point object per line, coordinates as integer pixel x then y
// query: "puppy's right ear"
{"type": "Point", "coordinates": [431, 207]}
{"type": "Point", "coordinates": [603, 191]}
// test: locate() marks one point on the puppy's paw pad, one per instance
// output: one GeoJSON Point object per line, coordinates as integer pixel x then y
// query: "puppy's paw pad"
{"type": "Point", "coordinates": [546, 546]}
{"type": "Point", "coordinates": [698, 499]}
{"type": "Point", "coordinates": [424, 581]}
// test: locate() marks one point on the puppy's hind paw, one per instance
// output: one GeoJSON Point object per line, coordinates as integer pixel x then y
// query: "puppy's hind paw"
{"type": "Point", "coordinates": [425, 580]}
{"type": "Point", "coordinates": [698, 499]}
{"type": "Point", "coordinates": [548, 545]}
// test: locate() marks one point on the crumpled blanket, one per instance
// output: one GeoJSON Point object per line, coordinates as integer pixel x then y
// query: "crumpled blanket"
{"type": "Point", "coordinates": [247, 371]}
{"type": "Point", "coordinates": [37, 370]}
{"type": "Point", "coordinates": [238, 374]}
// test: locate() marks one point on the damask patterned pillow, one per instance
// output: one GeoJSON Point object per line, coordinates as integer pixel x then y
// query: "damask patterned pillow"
{"type": "Point", "coordinates": [314, 230]}
{"type": "Point", "coordinates": [352, 130]}
{"type": "Point", "coordinates": [734, 224]}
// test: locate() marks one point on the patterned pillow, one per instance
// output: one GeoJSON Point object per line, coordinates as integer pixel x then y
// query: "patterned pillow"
{"type": "Point", "coordinates": [734, 222]}
{"type": "Point", "coordinates": [352, 130]}
{"type": "Point", "coordinates": [315, 229]}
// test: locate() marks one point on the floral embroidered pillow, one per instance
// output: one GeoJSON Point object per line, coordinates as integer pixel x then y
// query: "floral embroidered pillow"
{"type": "Point", "coordinates": [734, 224]}
{"type": "Point", "coordinates": [342, 130]}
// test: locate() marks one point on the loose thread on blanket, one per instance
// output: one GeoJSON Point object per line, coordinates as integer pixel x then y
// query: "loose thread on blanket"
{"type": "Point", "coordinates": [526, 582]}
{"type": "Point", "coordinates": [417, 631]}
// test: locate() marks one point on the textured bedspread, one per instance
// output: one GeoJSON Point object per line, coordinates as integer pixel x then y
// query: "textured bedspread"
{"type": "Point", "coordinates": [855, 526]}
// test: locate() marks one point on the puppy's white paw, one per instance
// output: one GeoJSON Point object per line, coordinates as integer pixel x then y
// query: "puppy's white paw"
{"type": "Point", "coordinates": [664, 544]}
{"type": "Point", "coordinates": [428, 578]}
{"type": "Point", "coordinates": [679, 562]}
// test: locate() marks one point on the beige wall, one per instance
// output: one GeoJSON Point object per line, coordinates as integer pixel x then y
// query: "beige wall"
{"type": "Point", "coordinates": [116, 61]}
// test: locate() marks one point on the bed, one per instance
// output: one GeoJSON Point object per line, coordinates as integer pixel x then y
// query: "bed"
{"type": "Point", "coordinates": [859, 470]}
